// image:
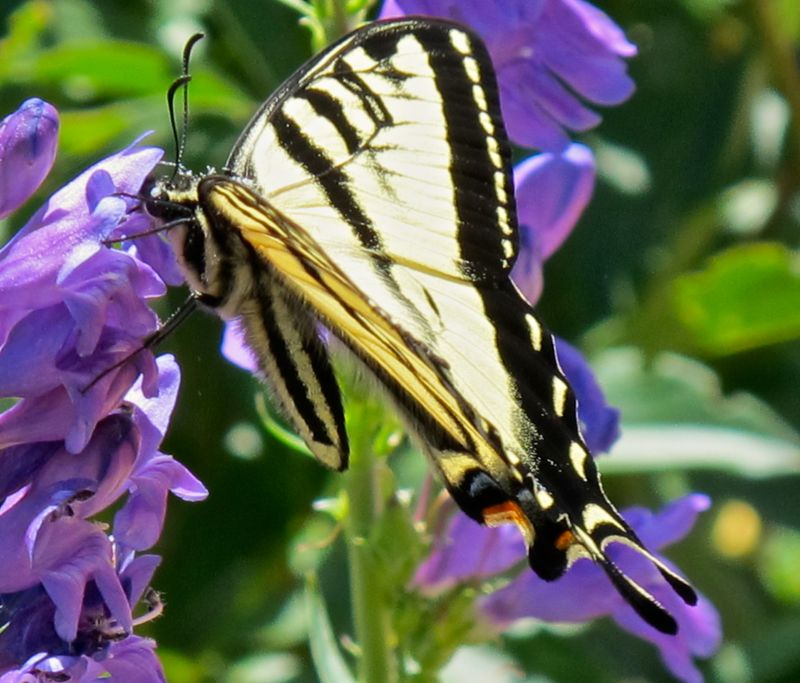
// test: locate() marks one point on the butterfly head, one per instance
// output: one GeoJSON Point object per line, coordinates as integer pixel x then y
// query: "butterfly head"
{"type": "Point", "coordinates": [175, 202]}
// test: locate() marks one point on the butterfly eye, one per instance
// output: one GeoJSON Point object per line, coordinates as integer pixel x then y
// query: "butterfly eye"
{"type": "Point", "coordinates": [193, 249]}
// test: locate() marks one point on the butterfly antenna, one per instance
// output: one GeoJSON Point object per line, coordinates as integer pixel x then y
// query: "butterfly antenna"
{"type": "Point", "coordinates": [181, 82]}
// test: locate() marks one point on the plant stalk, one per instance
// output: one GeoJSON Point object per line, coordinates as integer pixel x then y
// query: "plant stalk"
{"type": "Point", "coordinates": [369, 595]}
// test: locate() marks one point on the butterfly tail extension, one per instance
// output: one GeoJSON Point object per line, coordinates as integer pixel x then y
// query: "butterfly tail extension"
{"type": "Point", "coordinates": [557, 543]}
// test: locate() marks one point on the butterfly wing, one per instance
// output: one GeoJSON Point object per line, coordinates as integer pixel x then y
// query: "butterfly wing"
{"type": "Point", "coordinates": [296, 366]}
{"type": "Point", "coordinates": [379, 190]}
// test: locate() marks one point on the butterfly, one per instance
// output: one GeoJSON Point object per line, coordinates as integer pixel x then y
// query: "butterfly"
{"type": "Point", "coordinates": [372, 194]}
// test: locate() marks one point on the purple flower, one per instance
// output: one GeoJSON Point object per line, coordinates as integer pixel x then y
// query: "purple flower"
{"type": "Point", "coordinates": [235, 349]}
{"type": "Point", "coordinates": [468, 552]}
{"type": "Point", "coordinates": [28, 139]}
{"type": "Point", "coordinates": [550, 56]}
{"type": "Point", "coordinates": [91, 408]}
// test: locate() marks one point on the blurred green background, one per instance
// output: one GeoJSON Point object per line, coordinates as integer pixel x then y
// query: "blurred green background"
{"type": "Point", "coordinates": [682, 282]}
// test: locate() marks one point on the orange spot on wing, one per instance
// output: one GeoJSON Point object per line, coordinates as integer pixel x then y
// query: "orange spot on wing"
{"type": "Point", "coordinates": [509, 513]}
{"type": "Point", "coordinates": [565, 540]}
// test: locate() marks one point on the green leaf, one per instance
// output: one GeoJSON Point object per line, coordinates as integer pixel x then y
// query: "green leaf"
{"type": "Point", "coordinates": [397, 543]}
{"type": "Point", "coordinates": [289, 627]}
{"type": "Point", "coordinates": [25, 28]}
{"type": "Point", "coordinates": [84, 131]}
{"type": "Point", "coordinates": [328, 660]}
{"type": "Point", "coordinates": [102, 69]}
{"type": "Point", "coordinates": [707, 10]}
{"type": "Point", "coordinates": [213, 94]}
{"type": "Point", "coordinates": [180, 667]}
{"type": "Point", "coordinates": [432, 628]}
{"type": "Point", "coordinates": [674, 415]}
{"type": "Point", "coordinates": [747, 297]}
{"type": "Point", "coordinates": [789, 13]}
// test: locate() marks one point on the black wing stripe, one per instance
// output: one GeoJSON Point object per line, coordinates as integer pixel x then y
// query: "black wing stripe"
{"type": "Point", "coordinates": [372, 104]}
{"type": "Point", "coordinates": [327, 106]}
{"type": "Point", "coordinates": [490, 247]}
{"type": "Point", "coordinates": [331, 179]}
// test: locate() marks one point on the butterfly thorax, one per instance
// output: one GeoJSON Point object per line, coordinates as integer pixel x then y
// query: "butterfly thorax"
{"type": "Point", "coordinates": [211, 257]}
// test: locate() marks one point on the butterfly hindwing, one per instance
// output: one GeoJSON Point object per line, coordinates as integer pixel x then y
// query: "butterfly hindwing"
{"type": "Point", "coordinates": [296, 366]}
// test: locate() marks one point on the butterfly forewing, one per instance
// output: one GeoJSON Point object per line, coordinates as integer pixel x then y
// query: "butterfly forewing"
{"type": "Point", "coordinates": [374, 189]}
{"type": "Point", "coordinates": [391, 154]}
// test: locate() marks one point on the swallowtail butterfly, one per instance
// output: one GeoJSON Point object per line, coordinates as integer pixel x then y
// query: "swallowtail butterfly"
{"type": "Point", "coordinates": [372, 193]}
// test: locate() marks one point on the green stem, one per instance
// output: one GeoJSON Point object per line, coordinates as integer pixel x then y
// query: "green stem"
{"type": "Point", "coordinates": [780, 52]}
{"type": "Point", "coordinates": [371, 615]}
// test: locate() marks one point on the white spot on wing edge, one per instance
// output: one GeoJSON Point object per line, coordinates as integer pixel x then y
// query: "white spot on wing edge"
{"type": "Point", "coordinates": [577, 456]}
{"type": "Point", "coordinates": [500, 187]}
{"type": "Point", "coordinates": [536, 332]}
{"type": "Point", "coordinates": [502, 219]}
{"type": "Point", "coordinates": [472, 69]}
{"type": "Point", "coordinates": [479, 96]}
{"type": "Point", "coordinates": [460, 41]}
{"type": "Point", "coordinates": [594, 516]}
{"type": "Point", "coordinates": [486, 122]}
{"type": "Point", "coordinates": [544, 499]}
{"type": "Point", "coordinates": [559, 395]}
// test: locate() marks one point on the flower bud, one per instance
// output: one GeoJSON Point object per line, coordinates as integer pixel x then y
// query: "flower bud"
{"type": "Point", "coordinates": [28, 142]}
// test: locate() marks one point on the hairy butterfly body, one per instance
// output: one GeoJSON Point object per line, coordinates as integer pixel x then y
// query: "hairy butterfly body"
{"type": "Point", "coordinates": [372, 193]}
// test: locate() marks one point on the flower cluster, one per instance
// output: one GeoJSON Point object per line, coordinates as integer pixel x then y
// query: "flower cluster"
{"type": "Point", "coordinates": [551, 58]}
{"type": "Point", "coordinates": [86, 410]}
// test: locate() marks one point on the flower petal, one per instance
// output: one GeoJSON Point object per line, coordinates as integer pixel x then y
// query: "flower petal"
{"type": "Point", "coordinates": [552, 192]}
{"type": "Point", "coordinates": [467, 552]}
{"type": "Point", "coordinates": [235, 349]}
{"type": "Point", "coordinates": [131, 660]}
